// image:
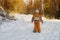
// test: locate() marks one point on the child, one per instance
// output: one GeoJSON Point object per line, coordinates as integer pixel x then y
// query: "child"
{"type": "Point", "coordinates": [37, 19]}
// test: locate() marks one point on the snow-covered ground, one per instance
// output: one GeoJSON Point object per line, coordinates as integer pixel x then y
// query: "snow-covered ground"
{"type": "Point", "coordinates": [22, 29]}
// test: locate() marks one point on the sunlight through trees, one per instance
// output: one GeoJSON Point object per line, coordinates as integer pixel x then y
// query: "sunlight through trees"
{"type": "Point", "coordinates": [48, 8]}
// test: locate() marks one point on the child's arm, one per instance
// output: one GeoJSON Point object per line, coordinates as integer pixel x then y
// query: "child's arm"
{"type": "Point", "coordinates": [33, 18]}
{"type": "Point", "coordinates": [41, 19]}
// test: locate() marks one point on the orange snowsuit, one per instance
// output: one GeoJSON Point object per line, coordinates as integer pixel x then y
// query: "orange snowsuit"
{"type": "Point", "coordinates": [37, 22]}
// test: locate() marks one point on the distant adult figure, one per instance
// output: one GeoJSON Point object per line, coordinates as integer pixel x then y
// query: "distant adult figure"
{"type": "Point", "coordinates": [37, 19]}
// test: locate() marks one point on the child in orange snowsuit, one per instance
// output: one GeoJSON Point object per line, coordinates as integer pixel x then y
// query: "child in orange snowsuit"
{"type": "Point", "coordinates": [37, 19]}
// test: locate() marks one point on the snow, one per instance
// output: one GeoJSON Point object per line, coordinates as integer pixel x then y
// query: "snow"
{"type": "Point", "coordinates": [28, 1]}
{"type": "Point", "coordinates": [22, 29]}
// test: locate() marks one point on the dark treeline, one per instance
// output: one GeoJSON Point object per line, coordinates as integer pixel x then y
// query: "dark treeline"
{"type": "Point", "coordinates": [52, 8]}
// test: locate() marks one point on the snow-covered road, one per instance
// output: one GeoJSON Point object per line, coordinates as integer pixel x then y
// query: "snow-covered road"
{"type": "Point", "coordinates": [22, 29]}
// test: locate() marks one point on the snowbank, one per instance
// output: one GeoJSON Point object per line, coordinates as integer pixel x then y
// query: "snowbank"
{"type": "Point", "coordinates": [22, 29]}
